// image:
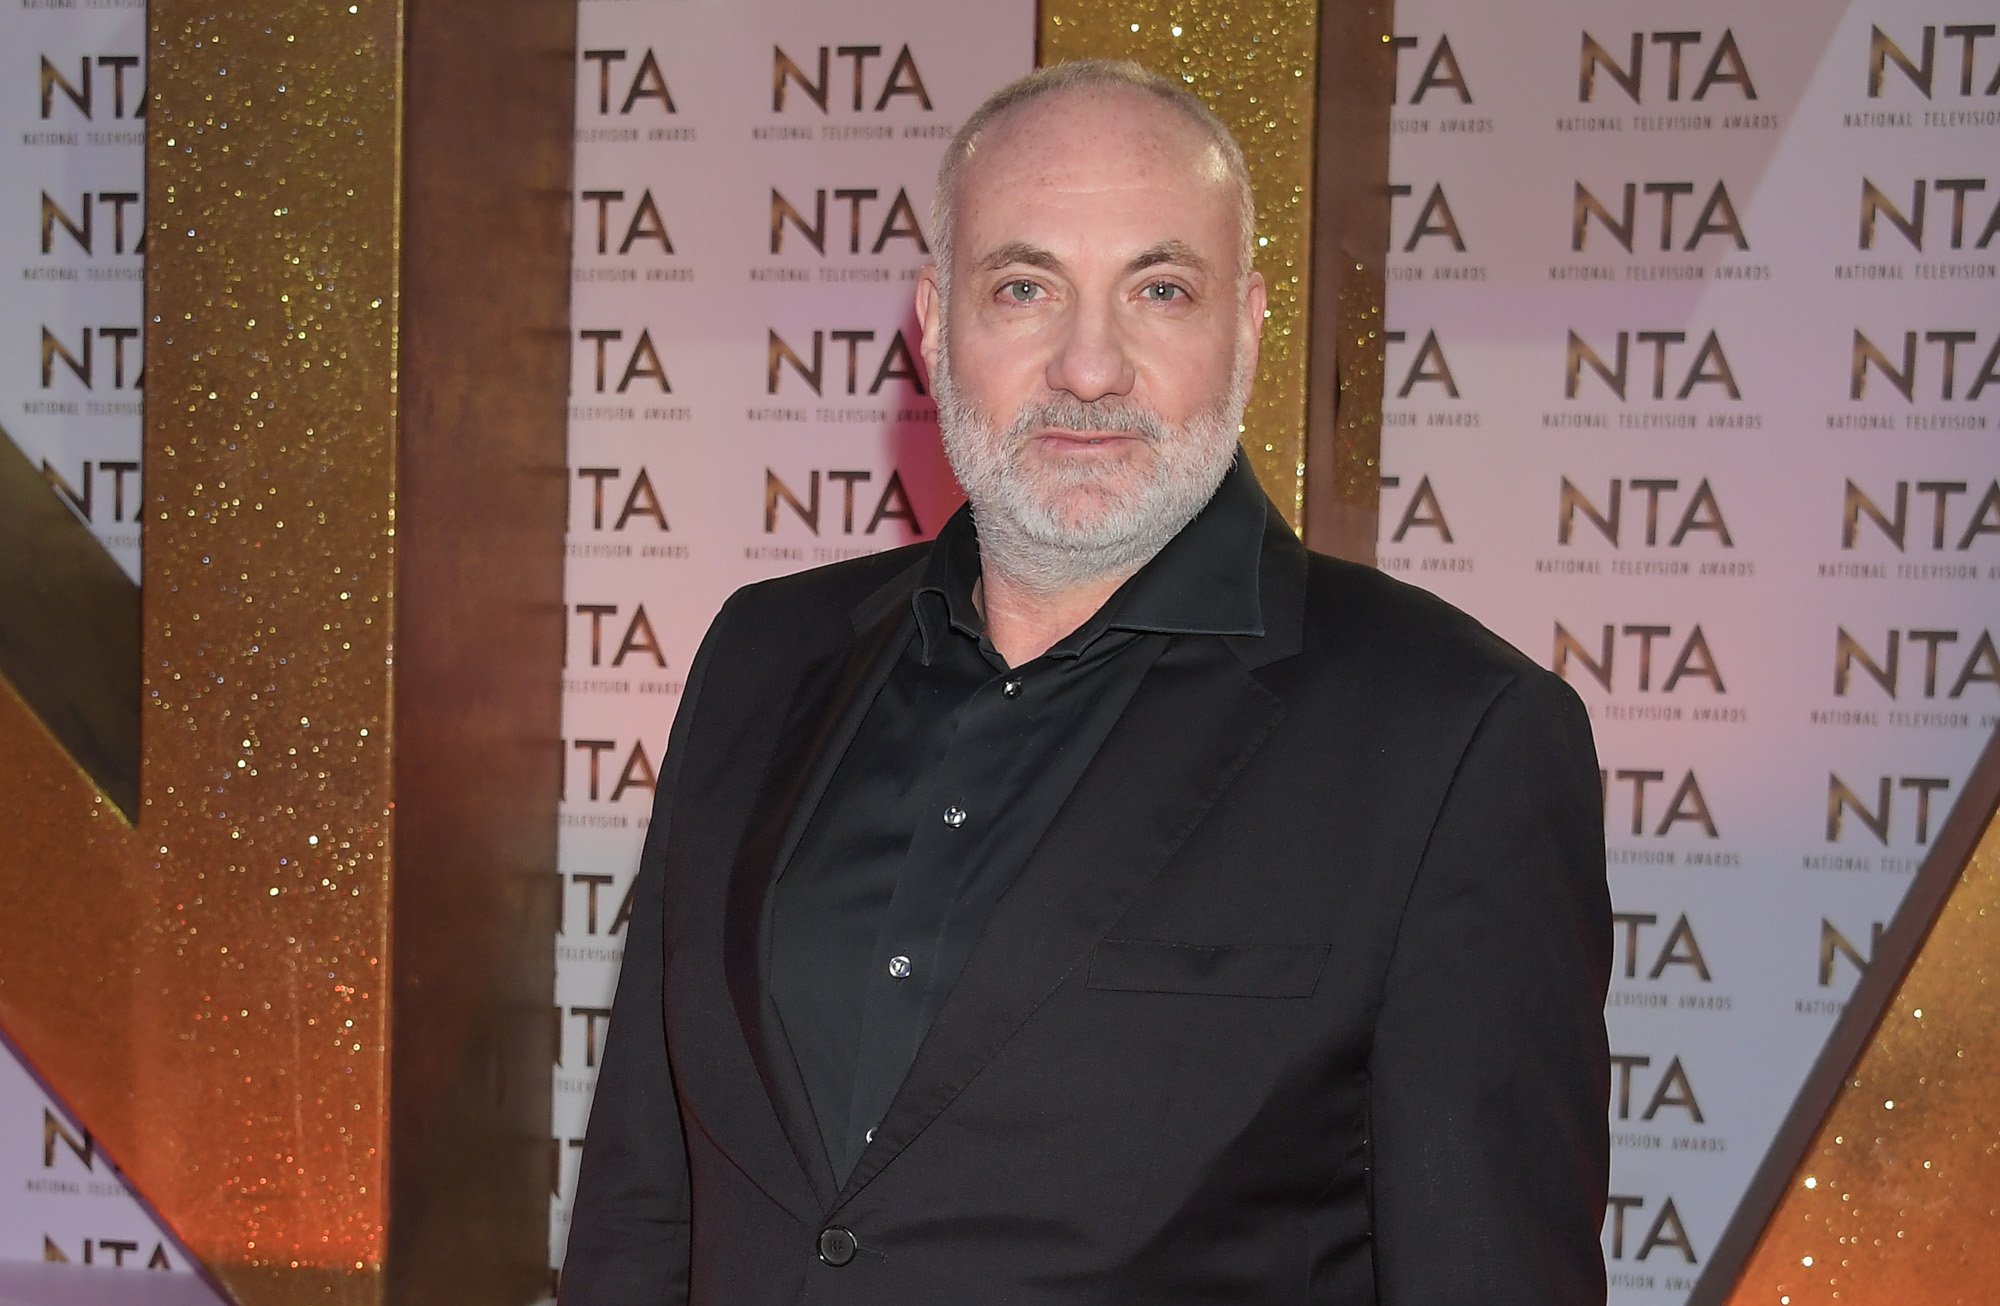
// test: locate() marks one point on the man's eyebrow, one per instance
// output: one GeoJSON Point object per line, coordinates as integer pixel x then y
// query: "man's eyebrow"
{"type": "Point", "coordinates": [1168, 251]}
{"type": "Point", "coordinates": [1020, 252]}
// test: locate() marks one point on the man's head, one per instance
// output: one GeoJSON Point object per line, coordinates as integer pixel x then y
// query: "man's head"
{"type": "Point", "coordinates": [1092, 322]}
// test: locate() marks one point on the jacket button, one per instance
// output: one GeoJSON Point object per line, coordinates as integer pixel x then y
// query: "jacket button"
{"type": "Point", "coordinates": [837, 1245]}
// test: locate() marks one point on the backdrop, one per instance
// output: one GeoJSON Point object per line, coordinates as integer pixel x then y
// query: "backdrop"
{"type": "Point", "coordinates": [1692, 369]}
{"type": "Point", "coordinates": [1691, 387]}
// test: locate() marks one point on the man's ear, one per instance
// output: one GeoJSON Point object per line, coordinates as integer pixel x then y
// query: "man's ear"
{"type": "Point", "coordinates": [1250, 329]}
{"type": "Point", "coordinates": [930, 321]}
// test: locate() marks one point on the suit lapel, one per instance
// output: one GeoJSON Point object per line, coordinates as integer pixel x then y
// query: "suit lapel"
{"type": "Point", "coordinates": [833, 696]}
{"type": "Point", "coordinates": [1196, 717]}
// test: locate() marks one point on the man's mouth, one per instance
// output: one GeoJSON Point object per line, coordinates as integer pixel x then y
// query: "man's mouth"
{"type": "Point", "coordinates": [1085, 438]}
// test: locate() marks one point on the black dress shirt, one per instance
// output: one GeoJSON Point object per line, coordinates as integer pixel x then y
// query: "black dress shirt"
{"type": "Point", "coordinates": [955, 774]}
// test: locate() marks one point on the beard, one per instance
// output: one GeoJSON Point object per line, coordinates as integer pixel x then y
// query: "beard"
{"type": "Point", "coordinates": [1049, 525]}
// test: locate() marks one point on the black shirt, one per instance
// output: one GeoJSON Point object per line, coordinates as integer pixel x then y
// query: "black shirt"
{"type": "Point", "coordinates": [956, 772]}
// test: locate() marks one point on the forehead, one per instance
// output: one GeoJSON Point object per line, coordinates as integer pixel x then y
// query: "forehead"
{"type": "Point", "coordinates": [1088, 156]}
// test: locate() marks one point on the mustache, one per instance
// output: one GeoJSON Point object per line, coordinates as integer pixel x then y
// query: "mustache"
{"type": "Point", "coordinates": [1066, 412]}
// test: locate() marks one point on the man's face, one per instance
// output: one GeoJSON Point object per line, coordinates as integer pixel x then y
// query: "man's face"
{"type": "Point", "coordinates": [1091, 363]}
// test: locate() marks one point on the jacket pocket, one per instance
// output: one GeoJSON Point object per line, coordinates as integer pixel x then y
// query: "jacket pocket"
{"type": "Point", "coordinates": [1253, 970]}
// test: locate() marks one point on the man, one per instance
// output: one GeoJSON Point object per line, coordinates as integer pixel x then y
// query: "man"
{"type": "Point", "coordinates": [1111, 903]}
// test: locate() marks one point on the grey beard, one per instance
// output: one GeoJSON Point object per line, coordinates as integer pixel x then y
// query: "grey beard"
{"type": "Point", "coordinates": [1023, 534]}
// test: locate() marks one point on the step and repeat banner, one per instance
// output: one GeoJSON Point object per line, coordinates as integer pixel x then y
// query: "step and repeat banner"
{"type": "Point", "coordinates": [1693, 370]}
{"type": "Point", "coordinates": [72, 244]}
{"type": "Point", "coordinates": [753, 187]}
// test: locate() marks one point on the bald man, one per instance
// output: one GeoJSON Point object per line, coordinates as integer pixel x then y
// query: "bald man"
{"type": "Point", "coordinates": [1110, 902]}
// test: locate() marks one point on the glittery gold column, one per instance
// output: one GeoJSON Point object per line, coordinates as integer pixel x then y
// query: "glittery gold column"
{"type": "Point", "coordinates": [1254, 62]}
{"type": "Point", "coordinates": [303, 1004]}
{"type": "Point", "coordinates": [1896, 1197]}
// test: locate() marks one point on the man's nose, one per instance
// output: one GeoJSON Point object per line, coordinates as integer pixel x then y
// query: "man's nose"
{"type": "Point", "coordinates": [1092, 360]}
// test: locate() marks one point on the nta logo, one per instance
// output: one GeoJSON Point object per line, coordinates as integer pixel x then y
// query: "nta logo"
{"type": "Point", "coordinates": [1977, 664]}
{"type": "Point", "coordinates": [1921, 72]}
{"type": "Point", "coordinates": [1633, 940]}
{"type": "Point", "coordinates": [1693, 660]}
{"type": "Point", "coordinates": [1423, 510]}
{"type": "Point", "coordinates": [638, 500]}
{"type": "Point", "coordinates": [1434, 218]}
{"type": "Point", "coordinates": [95, 76]}
{"type": "Point", "coordinates": [638, 770]}
{"type": "Point", "coordinates": [870, 89]}
{"type": "Point", "coordinates": [1671, 1088]}
{"type": "Point", "coordinates": [1686, 803]}
{"type": "Point", "coordinates": [636, 222]}
{"type": "Point", "coordinates": [860, 205]}
{"type": "Point", "coordinates": [1947, 499]}
{"type": "Point", "coordinates": [1702, 514]}
{"type": "Point", "coordinates": [641, 361]}
{"type": "Point", "coordinates": [1662, 1230]}
{"type": "Point", "coordinates": [1708, 366]}
{"type": "Point", "coordinates": [1903, 374]}
{"type": "Point", "coordinates": [1880, 820]}
{"type": "Point", "coordinates": [1835, 945]}
{"type": "Point", "coordinates": [1722, 65]}
{"type": "Point", "coordinates": [86, 227]}
{"type": "Point", "coordinates": [85, 501]}
{"type": "Point", "coordinates": [634, 634]}
{"type": "Point", "coordinates": [1717, 216]}
{"type": "Point", "coordinates": [1911, 220]}
{"type": "Point", "coordinates": [1441, 71]}
{"type": "Point", "coordinates": [892, 504]}
{"type": "Point", "coordinates": [1429, 367]}
{"type": "Point", "coordinates": [86, 359]}
{"type": "Point", "coordinates": [647, 82]}
{"type": "Point", "coordinates": [897, 361]}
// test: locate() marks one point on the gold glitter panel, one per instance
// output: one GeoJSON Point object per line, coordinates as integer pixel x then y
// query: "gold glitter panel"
{"type": "Point", "coordinates": [1897, 1195]}
{"type": "Point", "coordinates": [295, 999]}
{"type": "Point", "coordinates": [270, 577]}
{"type": "Point", "coordinates": [1254, 63]}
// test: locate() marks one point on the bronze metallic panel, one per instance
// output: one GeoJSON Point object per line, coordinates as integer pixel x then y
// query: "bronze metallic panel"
{"type": "Point", "coordinates": [1884, 1182]}
{"type": "Point", "coordinates": [1343, 477]}
{"type": "Point", "coordinates": [304, 1003]}
{"type": "Point", "coordinates": [483, 500]}
{"type": "Point", "coordinates": [69, 630]}
{"type": "Point", "coordinates": [1256, 63]}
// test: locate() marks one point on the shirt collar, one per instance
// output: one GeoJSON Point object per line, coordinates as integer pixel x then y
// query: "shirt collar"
{"type": "Point", "coordinates": [1203, 582]}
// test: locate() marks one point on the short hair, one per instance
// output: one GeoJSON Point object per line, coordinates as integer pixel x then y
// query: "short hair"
{"type": "Point", "coordinates": [1085, 75]}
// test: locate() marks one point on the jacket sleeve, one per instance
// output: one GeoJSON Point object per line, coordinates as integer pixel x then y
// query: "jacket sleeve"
{"type": "Point", "coordinates": [629, 1219]}
{"type": "Point", "coordinates": [1490, 1073]}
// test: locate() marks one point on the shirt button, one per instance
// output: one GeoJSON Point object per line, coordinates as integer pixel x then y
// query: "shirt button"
{"type": "Point", "coordinates": [900, 968]}
{"type": "Point", "coordinates": [868, 1137]}
{"type": "Point", "coordinates": [1012, 688]}
{"type": "Point", "coordinates": [837, 1245]}
{"type": "Point", "coordinates": [954, 817]}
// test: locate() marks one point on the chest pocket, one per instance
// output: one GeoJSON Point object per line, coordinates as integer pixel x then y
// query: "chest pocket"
{"type": "Point", "coordinates": [1253, 970]}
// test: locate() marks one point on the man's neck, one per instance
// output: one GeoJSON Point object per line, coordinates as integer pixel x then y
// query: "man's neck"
{"type": "Point", "coordinates": [1024, 623]}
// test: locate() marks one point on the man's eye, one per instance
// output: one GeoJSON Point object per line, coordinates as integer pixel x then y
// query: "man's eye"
{"type": "Point", "coordinates": [1163, 292]}
{"type": "Point", "coordinates": [1020, 290]}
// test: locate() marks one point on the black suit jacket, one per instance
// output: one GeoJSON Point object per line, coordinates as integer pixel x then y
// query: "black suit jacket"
{"type": "Point", "coordinates": [1298, 1001]}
